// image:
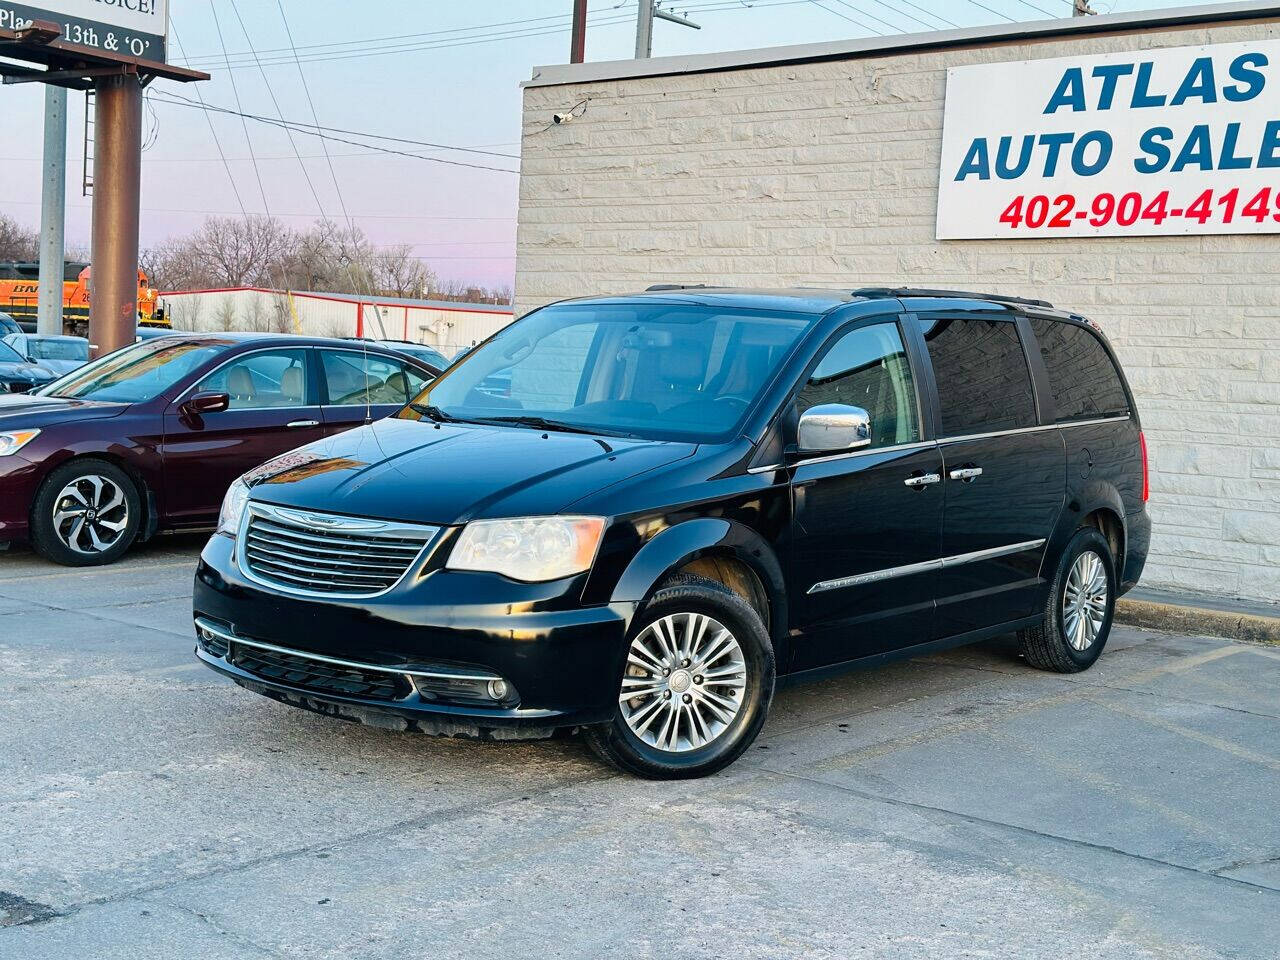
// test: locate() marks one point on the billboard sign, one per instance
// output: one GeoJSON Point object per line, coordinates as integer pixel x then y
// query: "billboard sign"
{"type": "Point", "coordinates": [1159, 142]}
{"type": "Point", "coordinates": [131, 28]}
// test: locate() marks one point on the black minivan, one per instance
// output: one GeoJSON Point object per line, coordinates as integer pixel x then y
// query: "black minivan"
{"type": "Point", "coordinates": [631, 515]}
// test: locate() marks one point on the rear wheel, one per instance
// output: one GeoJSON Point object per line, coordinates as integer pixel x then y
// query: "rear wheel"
{"type": "Point", "coordinates": [87, 512]}
{"type": "Point", "coordinates": [1079, 608]}
{"type": "Point", "coordinates": [696, 687]}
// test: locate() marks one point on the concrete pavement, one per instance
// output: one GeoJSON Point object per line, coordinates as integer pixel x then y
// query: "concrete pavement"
{"type": "Point", "coordinates": [958, 805]}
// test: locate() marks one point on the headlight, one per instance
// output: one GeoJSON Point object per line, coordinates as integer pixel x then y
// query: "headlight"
{"type": "Point", "coordinates": [233, 505]}
{"type": "Point", "coordinates": [15, 440]}
{"type": "Point", "coordinates": [531, 549]}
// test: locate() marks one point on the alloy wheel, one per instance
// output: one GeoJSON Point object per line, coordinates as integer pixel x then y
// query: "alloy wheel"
{"type": "Point", "coordinates": [90, 514]}
{"type": "Point", "coordinates": [1084, 601]}
{"type": "Point", "coordinates": [684, 682]}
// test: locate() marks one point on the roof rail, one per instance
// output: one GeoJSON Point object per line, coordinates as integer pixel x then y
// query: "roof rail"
{"type": "Point", "coordinates": [880, 292]}
{"type": "Point", "coordinates": [654, 288]}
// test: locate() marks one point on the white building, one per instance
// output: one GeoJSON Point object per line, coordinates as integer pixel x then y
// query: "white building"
{"type": "Point", "coordinates": [443, 324]}
{"type": "Point", "coordinates": [826, 165]}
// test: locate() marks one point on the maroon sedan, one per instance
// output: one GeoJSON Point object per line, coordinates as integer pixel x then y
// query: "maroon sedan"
{"type": "Point", "coordinates": [149, 438]}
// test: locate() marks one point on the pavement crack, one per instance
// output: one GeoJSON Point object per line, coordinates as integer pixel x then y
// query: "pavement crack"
{"type": "Point", "coordinates": [446, 815]}
{"type": "Point", "coordinates": [207, 920]}
{"type": "Point", "coordinates": [1013, 827]}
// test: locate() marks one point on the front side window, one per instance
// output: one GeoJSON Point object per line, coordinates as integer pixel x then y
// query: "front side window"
{"type": "Point", "coordinates": [659, 370]}
{"type": "Point", "coordinates": [868, 368]}
{"type": "Point", "coordinates": [984, 384]}
{"type": "Point", "coordinates": [358, 379]}
{"type": "Point", "coordinates": [1084, 381]}
{"type": "Point", "coordinates": [138, 372]}
{"type": "Point", "coordinates": [271, 378]}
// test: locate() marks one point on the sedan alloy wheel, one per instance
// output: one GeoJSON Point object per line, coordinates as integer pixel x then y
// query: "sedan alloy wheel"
{"type": "Point", "coordinates": [90, 514]}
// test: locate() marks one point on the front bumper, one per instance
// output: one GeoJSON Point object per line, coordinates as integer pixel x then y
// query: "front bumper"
{"type": "Point", "coordinates": [19, 480]}
{"type": "Point", "coordinates": [562, 662]}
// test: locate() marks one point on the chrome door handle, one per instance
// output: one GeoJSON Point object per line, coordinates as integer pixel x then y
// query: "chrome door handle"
{"type": "Point", "coordinates": [303, 423]}
{"type": "Point", "coordinates": [923, 480]}
{"type": "Point", "coordinates": [966, 473]}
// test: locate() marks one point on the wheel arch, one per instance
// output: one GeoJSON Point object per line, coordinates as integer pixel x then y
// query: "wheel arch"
{"type": "Point", "coordinates": [1098, 505]}
{"type": "Point", "coordinates": [718, 549]}
{"type": "Point", "coordinates": [146, 495]}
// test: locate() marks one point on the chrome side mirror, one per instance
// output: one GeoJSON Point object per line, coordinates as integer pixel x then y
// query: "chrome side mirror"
{"type": "Point", "coordinates": [832, 427]}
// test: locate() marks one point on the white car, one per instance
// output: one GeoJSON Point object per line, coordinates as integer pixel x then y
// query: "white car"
{"type": "Point", "coordinates": [57, 354]}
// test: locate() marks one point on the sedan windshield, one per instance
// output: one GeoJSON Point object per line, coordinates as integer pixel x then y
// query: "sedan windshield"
{"type": "Point", "coordinates": [10, 355]}
{"type": "Point", "coordinates": [138, 372]}
{"type": "Point", "coordinates": [676, 371]}
{"type": "Point", "coordinates": [57, 349]}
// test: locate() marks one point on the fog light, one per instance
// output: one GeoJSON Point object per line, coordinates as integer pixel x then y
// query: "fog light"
{"type": "Point", "coordinates": [498, 689]}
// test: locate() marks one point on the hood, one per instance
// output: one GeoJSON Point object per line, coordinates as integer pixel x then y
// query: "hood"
{"type": "Point", "coordinates": [56, 368]}
{"type": "Point", "coordinates": [24, 371]}
{"type": "Point", "coordinates": [22, 410]}
{"type": "Point", "coordinates": [420, 472]}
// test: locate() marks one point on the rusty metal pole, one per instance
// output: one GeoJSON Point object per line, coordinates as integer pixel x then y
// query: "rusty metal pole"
{"type": "Point", "coordinates": [117, 182]}
{"type": "Point", "coordinates": [578, 38]}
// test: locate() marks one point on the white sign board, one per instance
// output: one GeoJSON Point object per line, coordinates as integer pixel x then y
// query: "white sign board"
{"type": "Point", "coordinates": [132, 28]}
{"type": "Point", "coordinates": [1158, 142]}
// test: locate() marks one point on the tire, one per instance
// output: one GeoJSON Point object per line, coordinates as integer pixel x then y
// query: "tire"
{"type": "Point", "coordinates": [1064, 643]}
{"type": "Point", "coordinates": [100, 494]}
{"type": "Point", "coordinates": [709, 741]}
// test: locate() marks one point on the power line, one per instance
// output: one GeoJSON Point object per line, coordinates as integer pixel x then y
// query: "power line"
{"type": "Point", "coordinates": [936, 16]}
{"type": "Point", "coordinates": [371, 136]}
{"type": "Point", "coordinates": [306, 174]}
{"type": "Point", "coordinates": [904, 13]}
{"type": "Point", "coordinates": [214, 133]}
{"type": "Point", "coordinates": [996, 12]}
{"type": "Point", "coordinates": [1027, 3]}
{"type": "Point", "coordinates": [429, 45]}
{"type": "Point", "coordinates": [243, 119]}
{"type": "Point", "coordinates": [859, 10]}
{"type": "Point", "coordinates": [837, 13]}
{"type": "Point", "coordinates": [368, 41]}
{"type": "Point", "coordinates": [278, 214]}
{"type": "Point", "coordinates": [179, 101]}
{"type": "Point", "coordinates": [356, 51]}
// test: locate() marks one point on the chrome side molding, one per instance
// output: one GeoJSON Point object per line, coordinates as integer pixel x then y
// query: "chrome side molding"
{"type": "Point", "coordinates": [906, 570]}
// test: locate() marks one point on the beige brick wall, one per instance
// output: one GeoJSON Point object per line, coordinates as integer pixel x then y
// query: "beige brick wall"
{"type": "Point", "coordinates": [826, 174]}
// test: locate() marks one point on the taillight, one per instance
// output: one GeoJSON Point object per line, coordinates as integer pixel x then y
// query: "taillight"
{"type": "Point", "coordinates": [1146, 472]}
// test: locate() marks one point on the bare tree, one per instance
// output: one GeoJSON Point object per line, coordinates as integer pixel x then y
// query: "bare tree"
{"type": "Point", "coordinates": [262, 252]}
{"type": "Point", "coordinates": [16, 241]}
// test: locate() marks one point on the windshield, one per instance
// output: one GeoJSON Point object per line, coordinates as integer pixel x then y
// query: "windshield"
{"type": "Point", "coordinates": [138, 372]}
{"type": "Point", "coordinates": [669, 370]}
{"type": "Point", "coordinates": [10, 355]}
{"type": "Point", "coordinates": [58, 349]}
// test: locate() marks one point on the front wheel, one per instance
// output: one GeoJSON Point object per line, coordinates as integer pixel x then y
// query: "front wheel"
{"type": "Point", "coordinates": [696, 686]}
{"type": "Point", "coordinates": [1079, 608]}
{"type": "Point", "coordinates": [87, 512]}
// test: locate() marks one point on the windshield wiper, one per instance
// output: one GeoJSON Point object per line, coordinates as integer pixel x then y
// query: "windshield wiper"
{"type": "Point", "coordinates": [542, 423]}
{"type": "Point", "coordinates": [432, 412]}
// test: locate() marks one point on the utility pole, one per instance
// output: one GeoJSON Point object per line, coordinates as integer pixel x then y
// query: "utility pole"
{"type": "Point", "coordinates": [53, 207]}
{"type": "Point", "coordinates": [578, 38]}
{"type": "Point", "coordinates": [648, 12]}
{"type": "Point", "coordinates": [117, 181]}
{"type": "Point", "coordinates": [1081, 8]}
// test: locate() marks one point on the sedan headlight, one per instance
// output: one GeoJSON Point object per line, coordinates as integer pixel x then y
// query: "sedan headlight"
{"type": "Point", "coordinates": [233, 505]}
{"type": "Point", "coordinates": [14, 440]}
{"type": "Point", "coordinates": [531, 549]}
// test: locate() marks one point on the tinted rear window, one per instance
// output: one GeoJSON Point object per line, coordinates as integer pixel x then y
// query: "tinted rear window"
{"type": "Point", "coordinates": [984, 385]}
{"type": "Point", "coordinates": [1083, 379]}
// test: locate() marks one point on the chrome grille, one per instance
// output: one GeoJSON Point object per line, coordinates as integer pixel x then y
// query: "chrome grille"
{"type": "Point", "coordinates": [300, 551]}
